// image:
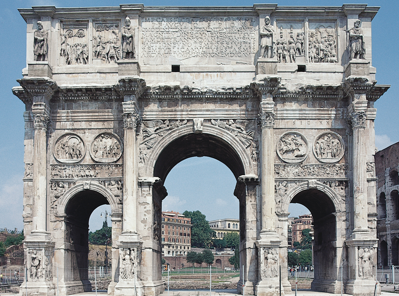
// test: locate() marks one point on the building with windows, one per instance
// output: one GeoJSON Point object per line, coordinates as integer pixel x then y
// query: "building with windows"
{"type": "Point", "coordinates": [223, 226]}
{"type": "Point", "coordinates": [176, 234]}
{"type": "Point", "coordinates": [387, 167]}
{"type": "Point", "coordinates": [299, 224]}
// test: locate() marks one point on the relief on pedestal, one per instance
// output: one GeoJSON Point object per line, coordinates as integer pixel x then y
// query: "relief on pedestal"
{"type": "Point", "coordinates": [74, 44]}
{"type": "Point", "coordinates": [28, 171]}
{"type": "Point", "coordinates": [269, 263]}
{"type": "Point", "coordinates": [292, 147]}
{"type": "Point", "coordinates": [366, 262]}
{"type": "Point", "coordinates": [39, 265]}
{"type": "Point", "coordinates": [106, 147]}
{"type": "Point", "coordinates": [129, 263]}
{"type": "Point", "coordinates": [40, 43]}
{"type": "Point", "coordinates": [69, 148]}
{"type": "Point", "coordinates": [322, 43]}
{"type": "Point", "coordinates": [106, 42]}
{"type": "Point", "coordinates": [290, 46]}
{"type": "Point", "coordinates": [328, 147]}
{"type": "Point", "coordinates": [370, 169]}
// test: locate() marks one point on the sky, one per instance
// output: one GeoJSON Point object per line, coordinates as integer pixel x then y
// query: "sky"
{"type": "Point", "coordinates": [197, 183]}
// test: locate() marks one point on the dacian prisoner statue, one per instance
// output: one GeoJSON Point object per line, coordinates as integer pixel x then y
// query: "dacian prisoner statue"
{"type": "Point", "coordinates": [117, 96]}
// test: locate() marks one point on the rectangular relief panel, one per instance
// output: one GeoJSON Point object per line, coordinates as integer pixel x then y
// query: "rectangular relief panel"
{"type": "Point", "coordinates": [106, 42]}
{"type": "Point", "coordinates": [74, 44]}
{"type": "Point", "coordinates": [323, 45]}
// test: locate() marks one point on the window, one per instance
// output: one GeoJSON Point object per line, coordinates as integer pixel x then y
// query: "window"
{"type": "Point", "coordinates": [228, 225]}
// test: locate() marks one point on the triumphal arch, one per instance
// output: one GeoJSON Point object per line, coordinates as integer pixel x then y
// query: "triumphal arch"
{"type": "Point", "coordinates": [115, 97]}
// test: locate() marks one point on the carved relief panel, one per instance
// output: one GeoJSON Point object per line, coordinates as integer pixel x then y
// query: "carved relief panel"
{"type": "Point", "coordinates": [69, 148]}
{"type": "Point", "coordinates": [290, 42]}
{"type": "Point", "coordinates": [106, 147]}
{"type": "Point", "coordinates": [193, 39]}
{"type": "Point", "coordinates": [269, 262]}
{"type": "Point", "coordinates": [129, 261]}
{"type": "Point", "coordinates": [366, 262]}
{"type": "Point", "coordinates": [292, 147]}
{"type": "Point", "coordinates": [74, 48]}
{"type": "Point", "coordinates": [106, 42]}
{"type": "Point", "coordinates": [39, 265]}
{"type": "Point", "coordinates": [328, 147]}
{"type": "Point", "coordinates": [322, 46]}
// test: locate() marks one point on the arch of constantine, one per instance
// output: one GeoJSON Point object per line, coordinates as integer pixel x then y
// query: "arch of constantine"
{"type": "Point", "coordinates": [115, 97]}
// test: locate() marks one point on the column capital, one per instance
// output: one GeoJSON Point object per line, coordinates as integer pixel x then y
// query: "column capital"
{"type": "Point", "coordinates": [40, 89]}
{"type": "Point", "coordinates": [358, 119]}
{"type": "Point", "coordinates": [41, 116]}
{"type": "Point", "coordinates": [131, 115]}
{"type": "Point", "coordinates": [266, 114]}
{"type": "Point", "coordinates": [131, 88]}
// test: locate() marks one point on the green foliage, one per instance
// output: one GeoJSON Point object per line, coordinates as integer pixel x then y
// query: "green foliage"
{"type": "Point", "coordinates": [219, 243]}
{"type": "Point", "coordinates": [232, 240]}
{"type": "Point", "coordinates": [297, 244]}
{"type": "Point", "coordinates": [293, 259]}
{"type": "Point", "coordinates": [201, 232]}
{"type": "Point", "coordinates": [235, 260]}
{"type": "Point", "coordinates": [191, 257]}
{"type": "Point", "coordinates": [100, 237]}
{"type": "Point", "coordinates": [305, 258]}
{"type": "Point", "coordinates": [163, 261]}
{"type": "Point", "coordinates": [208, 256]}
{"type": "Point", "coordinates": [2, 249]}
{"type": "Point", "coordinates": [199, 258]}
{"type": "Point", "coordinates": [14, 240]}
{"type": "Point", "coordinates": [306, 241]}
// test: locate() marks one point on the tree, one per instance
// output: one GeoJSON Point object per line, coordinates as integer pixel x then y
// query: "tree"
{"type": "Point", "coordinates": [2, 249]}
{"type": "Point", "coordinates": [163, 261]}
{"type": "Point", "coordinates": [293, 259]}
{"type": "Point", "coordinates": [199, 258]}
{"type": "Point", "coordinates": [297, 245]}
{"type": "Point", "coordinates": [101, 236]}
{"type": "Point", "coordinates": [208, 256]}
{"type": "Point", "coordinates": [306, 241]}
{"type": "Point", "coordinates": [201, 232]}
{"type": "Point", "coordinates": [232, 240]}
{"type": "Point", "coordinates": [14, 240]}
{"type": "Point", "coordinates": [305, 258]}
{"type": "Point", "coordinates": [235, 260]}
{"type": "Point", "coordinates": [218, 243]}
{"type": "Point", "coordinates": [191, 257]}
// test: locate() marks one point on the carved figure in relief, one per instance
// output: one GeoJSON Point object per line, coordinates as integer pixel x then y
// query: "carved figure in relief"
{"type": "Point", "coordinates": [328, 147]}
{"type": "Point", "coordinates": [292, 146]}
{"type": "Point", "coordinates": [366, 262]}
{"type": "Point", "coordinates": [357, 49]}
{"type": "Point", "coordinates": [267, 36]}
{"type": "Point", "coordinates": [270, 268]}
{"type": "Point", "coordinates": [291, 50]}
{"type": "Point", "coordinates": [128, 264]}
{"type": "Point", "coordinates": [106, 46]}
{"type": "Point", "coordinates": [128, 40]}
{"type": "Point", "coordinates": [106, 147]}
{"type": "Point", "coordinates": [35, 268]}
{"type": "Point", "coordinates": [299, 43]}
{"type": "Point", "coordinates": [40, 43]}
{"type": "Point", "coordinates": [322, 45]}
{"type": "Point", "coordinates": [69, 148]}
{"type": "Point", "coordinates": [77, 53]}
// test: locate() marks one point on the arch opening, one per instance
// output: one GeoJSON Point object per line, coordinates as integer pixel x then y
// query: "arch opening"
{"type": "Point", "coordinates": [324, 235]}
{"type": "Point", "coordinates": [384, 254]}
{"type": "Point", "coordinates": [78, 211]}
{"type": "Point", "coordinates": [395, 204]}
{"type": "Point", "coordinates": [382, 206]}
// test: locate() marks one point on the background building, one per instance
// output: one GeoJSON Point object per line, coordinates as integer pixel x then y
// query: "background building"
{"type": "Point", "coordinates": [387, 167]}
{"type": "Point", "coordinates": [299, 224]}
{"type": "Point", "coordinates": [176, 234]}
{"type": "Point", "coordinates": [223, 226]}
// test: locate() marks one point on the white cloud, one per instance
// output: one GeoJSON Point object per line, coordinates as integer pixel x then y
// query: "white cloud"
{"type": "Point", "coordinates": [221, 202]}
{"type": "Point", "coordinates": [382, 141]}
{"type": "Point", "coordinates": [11, 203]}
{"type": "Point", "coordinates": [172, 203]}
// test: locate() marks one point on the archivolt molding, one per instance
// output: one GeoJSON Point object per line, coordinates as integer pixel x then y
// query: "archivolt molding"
{"type": "Point", "coordinates": [313, 184]}
{"type": "Point", "coordinates": [207, 128]}
{"type": "Point", "coordinates": [87, 185]}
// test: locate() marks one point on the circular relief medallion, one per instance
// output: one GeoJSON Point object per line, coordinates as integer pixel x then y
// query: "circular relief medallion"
{"type": "Point", "coordinates": [106, 147]}
{"type": "Point", "coordinates": [292, 147]}
{"type": "Point", "coordinates": [69, 148]}
{"type": "Point", "coordinates": [328, 147]}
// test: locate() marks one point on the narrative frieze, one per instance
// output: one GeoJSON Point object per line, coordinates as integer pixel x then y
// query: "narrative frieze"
{"type": "Point", "coordinates": [187, 37]}
{"type": "Point", "coordinates": [310, 170]}
{"type": "Point", "coordinates": [69, 148]}
{"type": "Point", "coordinates": [86, 171]}
{"type": "Point", "coordinates": [106, 147]}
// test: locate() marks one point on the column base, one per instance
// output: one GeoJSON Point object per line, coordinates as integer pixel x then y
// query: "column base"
{"type": "Point", "coordinates": [362, 288]}
{"type": "Point", "coordinates": [37, 289]}
{"type": "Point", "coordinates": [328, 286]}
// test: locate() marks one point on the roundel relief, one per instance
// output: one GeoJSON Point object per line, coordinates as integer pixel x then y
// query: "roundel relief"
{"type": "Point", "coordinates": [328, 147]}
{"type": "Point", "coordinates": [106, 147]}
{"type": "Point", "coordinates": [292, 147]}
{"type": "Point", "coordinates": [69, 148]}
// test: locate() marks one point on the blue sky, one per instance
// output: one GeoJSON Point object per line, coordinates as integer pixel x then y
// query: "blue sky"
{"type": "Point", "coordinates": [198, 183]}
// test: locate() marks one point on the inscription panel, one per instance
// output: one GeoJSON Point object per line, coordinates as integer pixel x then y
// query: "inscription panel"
{"type": "Point", "coordinates": [189, 40]}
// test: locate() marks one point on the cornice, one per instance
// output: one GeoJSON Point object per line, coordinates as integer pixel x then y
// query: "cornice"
{"type": "Point", "coordinates": [335, 92]}
{"type": "Point", "coordinates": [131, 86]}
{"type": "Point", "coordinates": [23, 95]}
{"type": "Point", "coordinates": [376, 92]}
{"type": "Point", "coordinates": [41, 89]}
{"type": "Point", "coordinates": [87, 93]}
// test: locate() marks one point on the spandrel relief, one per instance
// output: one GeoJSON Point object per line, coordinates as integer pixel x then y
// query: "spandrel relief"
{"type": "Point", "coordinates": [193, 39]}
{"type": "Point", "coordinates": [106, 147]}
{"type": "Point", "coordinates": [106, 42]}
{"type": "Point", "coordinates": [74, 44]}
{"type": "Point", "coordinates": [290, 42]}
{"type": "Point", "coordinates": [329, 147]}
{"type": "Point", "coordinates": [69, 148]}
{"type": "Point", "coordinates": [292, 147]}
{"type": "Point", "coordinates": [322, 43]}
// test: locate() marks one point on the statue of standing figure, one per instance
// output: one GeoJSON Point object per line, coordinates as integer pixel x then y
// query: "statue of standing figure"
{"type": "Point", "coordinates": [266, 34]}
{"type": "Point", "coordinates": [127, 40]}
{"type": "Point", "coordinates": [40, 43]}
{"type": "Point", "coordinates": [357, 49]}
